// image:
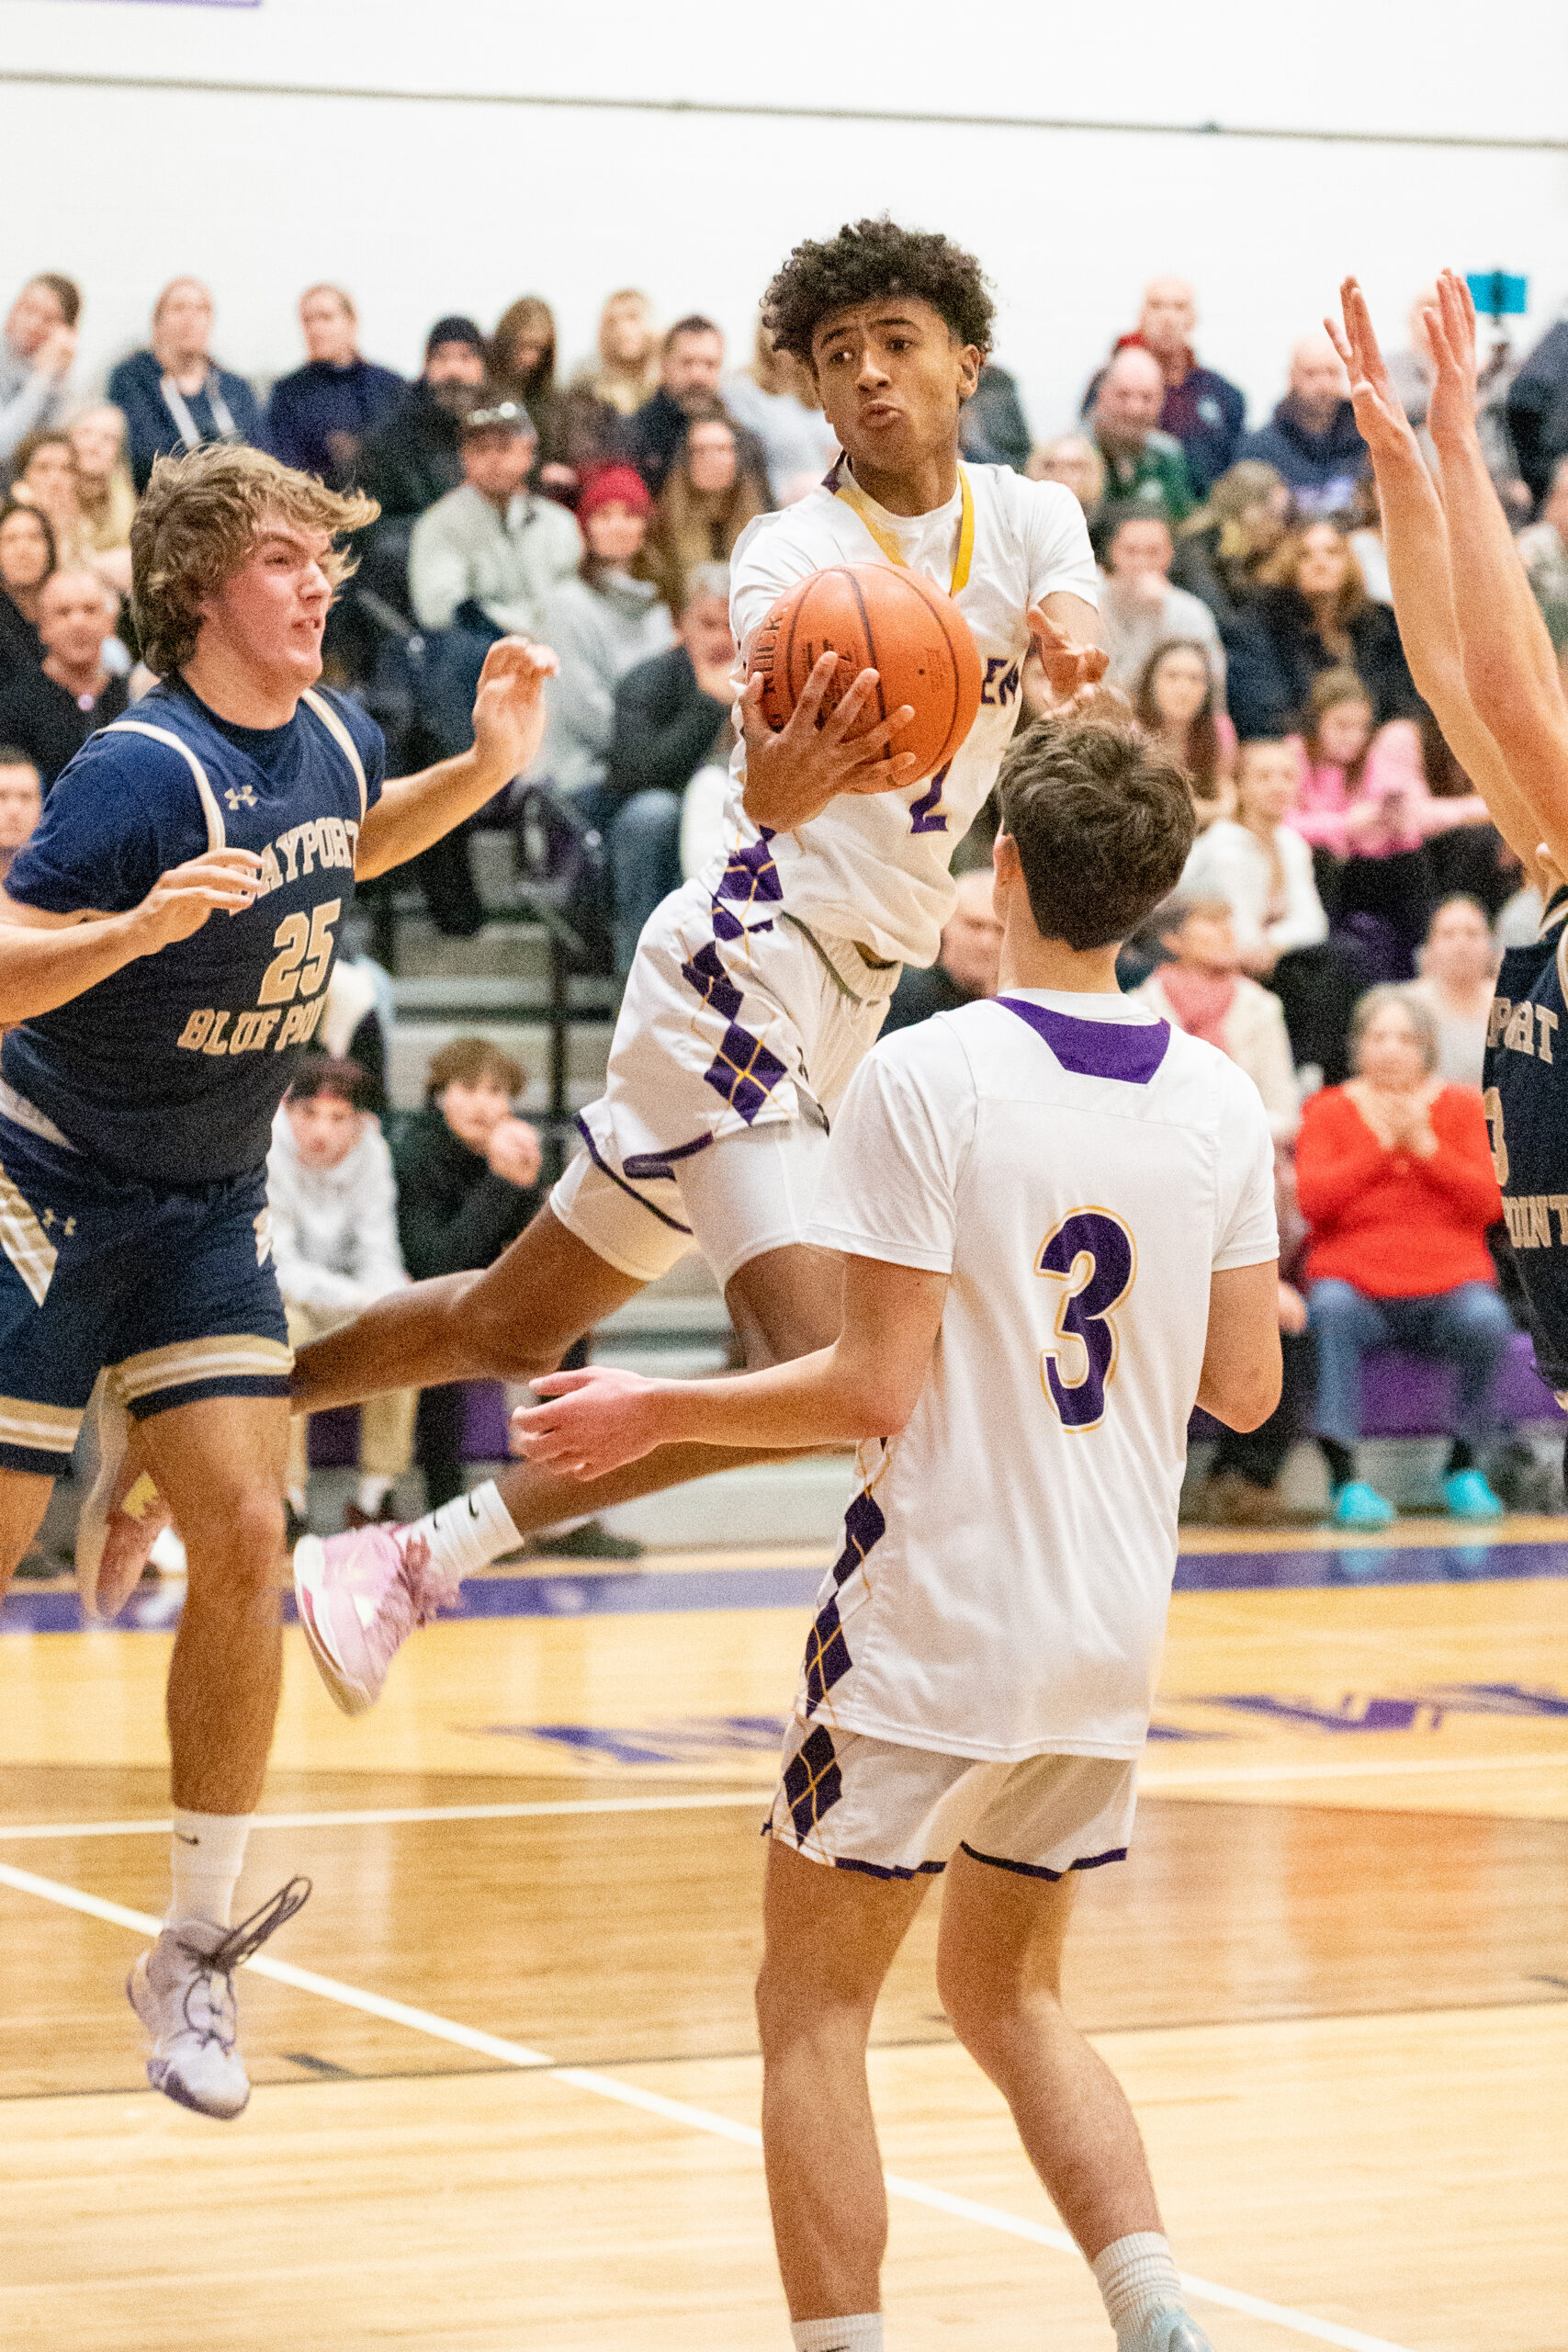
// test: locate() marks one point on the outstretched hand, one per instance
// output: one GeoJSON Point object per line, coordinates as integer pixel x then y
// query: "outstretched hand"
{"type": "Point", "coordinates": [509, 708]}
{"type": "Point", "coordinates": [219, 881]}
{"type": "Point", "coordinates": [1450, 329]}
{"type": "Point", "coordinates": [1380, 412]}
{"type": "Point", "coordinates": [1073, 671]}
{"type": "Point", "coordinates": [589, 1422]}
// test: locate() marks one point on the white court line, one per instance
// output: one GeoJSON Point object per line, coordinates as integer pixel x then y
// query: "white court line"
{"type": "Point", "coordinates": [672, 2110]}
{"type": "Point", "coordinates": [392, 1815]}
{"type": "Point", "coordinates": [1151, 1784]}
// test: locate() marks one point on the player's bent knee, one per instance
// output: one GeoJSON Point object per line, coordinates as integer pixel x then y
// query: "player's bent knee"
{"type": "Point", "coordinates": [244, 1530]}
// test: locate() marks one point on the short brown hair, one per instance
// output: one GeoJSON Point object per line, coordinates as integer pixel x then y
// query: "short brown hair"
{"type": "Point", "coordinates": [467, 1061]}
{"type": "Point", "coordinates": [1102, 831]}
{"type": "Point", "coordinates": [65, 290]}
{"type": "Point", "coordinates": [331, 1074]}
{"type": "Point", "coordinates": [198, 520]}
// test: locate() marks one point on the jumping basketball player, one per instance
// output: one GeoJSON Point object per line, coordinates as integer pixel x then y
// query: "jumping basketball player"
{"type": "Point", "coordinates": [757, 989]}
{"type": "Point", "coordinates": [1480, 653]}
{"type": "Point", "coordinates": [1078, 1204]}
{"type": "Point", "coordinates": [166, 939]}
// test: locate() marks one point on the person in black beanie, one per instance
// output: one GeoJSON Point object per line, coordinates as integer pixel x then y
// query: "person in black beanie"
{"type": "Point", "coordinates": [412, 460]}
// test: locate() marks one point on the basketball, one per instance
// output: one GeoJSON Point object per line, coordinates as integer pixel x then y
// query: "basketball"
{"type": "Point", "coordinates": [876, 617]}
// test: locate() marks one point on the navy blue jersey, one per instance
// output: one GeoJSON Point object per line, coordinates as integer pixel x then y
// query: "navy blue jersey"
{"type": "Point", "coordinates": [1526, 1079]}
{"type": "Point", "coordinates": [171, 1069]}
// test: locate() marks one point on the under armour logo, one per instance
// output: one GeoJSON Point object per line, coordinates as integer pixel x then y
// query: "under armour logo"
{"type": "Point", "coordinates": [239, 797]}
{"type": "Point", "coordinates": [67, 1225]}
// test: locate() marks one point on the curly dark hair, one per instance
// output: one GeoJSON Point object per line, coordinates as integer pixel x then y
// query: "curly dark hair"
{"type": "Point", "coordinates": [868, 258]}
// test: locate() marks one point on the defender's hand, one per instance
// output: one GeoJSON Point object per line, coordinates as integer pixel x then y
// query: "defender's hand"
{"type": "Point", "coordinates": [1072, 671]}
{"type": "Point", "coordinates": [1451, 419]}
{"type": "Point", "coordinates": [509, 708]}
{"type": "Point", "coordinates": [180, 901]}
{"type": "Point", "coordinates": [592, 1423]}
{"type": "Point", "coordinates": [1380, 412]}
{"type": "Point", "coordinates": [791, 777]}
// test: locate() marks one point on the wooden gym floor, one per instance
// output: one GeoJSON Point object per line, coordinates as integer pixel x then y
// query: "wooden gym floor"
{"type": "Point", "coordinates": [506, 2078]}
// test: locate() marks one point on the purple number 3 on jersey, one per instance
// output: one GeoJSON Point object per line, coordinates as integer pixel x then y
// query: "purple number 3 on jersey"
{"type": "Point", "coordinates": [1090, 1255]}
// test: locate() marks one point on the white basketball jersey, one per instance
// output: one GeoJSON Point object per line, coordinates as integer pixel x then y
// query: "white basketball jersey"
{"type": "Point", "coordinates": [874, 867]}
{"type": "Point", "coordinates": [1078, 1170]}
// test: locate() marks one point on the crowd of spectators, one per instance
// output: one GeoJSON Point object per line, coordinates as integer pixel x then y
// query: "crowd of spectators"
{"type": "Point", "coordinates": [1247, 613]}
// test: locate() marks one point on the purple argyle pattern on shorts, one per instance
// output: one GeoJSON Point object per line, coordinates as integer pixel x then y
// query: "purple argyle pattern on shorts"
{"type": "Point", "coordinates": [706, 972]}
{"type": "Point", "coordinates": [749, 879]}
{"type": "Point", "coordinates": [742, 1071]}
{"type": "Point", "coordinates": [827, 1656]}
{"type": "Point", "coordinates": [812, 1784]}
{"type": "Point", "coordinates": [863, 1526]}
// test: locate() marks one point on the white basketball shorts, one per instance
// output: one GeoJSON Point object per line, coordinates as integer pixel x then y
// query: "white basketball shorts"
{"type": "Point", "coordinates": [734, 1044]}
{"type": "Point", "coordinates": [860, 1804]}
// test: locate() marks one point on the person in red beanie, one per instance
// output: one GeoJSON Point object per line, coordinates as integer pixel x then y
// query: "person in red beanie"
{"type": "Point", "coordinates": [601, 623]}
{"type": "Point", "coordinates": [1395, 1177]}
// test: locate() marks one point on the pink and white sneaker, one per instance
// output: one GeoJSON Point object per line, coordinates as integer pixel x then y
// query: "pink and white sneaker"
{"type": "Point", "coordinates": [360, 1595]}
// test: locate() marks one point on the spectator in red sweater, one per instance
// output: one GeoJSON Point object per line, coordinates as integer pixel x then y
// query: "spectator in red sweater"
{"type": "Point", "coordinates": [1393, 1174]}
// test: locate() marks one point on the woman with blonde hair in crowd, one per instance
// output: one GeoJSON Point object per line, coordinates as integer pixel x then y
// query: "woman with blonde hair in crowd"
{"type": "Point", "coordinates": [1176, 703]}
{"type": "Point", "coordinates": [523, 364]}
{"type": "Point", "coordinates": [105, 492]}
{"type": "Point", "coordinates": [1220, 550]}
{"type": "Point", "coordinates": [608, 390]}
{"type": "Point", "coordinates": [711, 493]}
{"type": "Point", "coordinates": [774, 399]}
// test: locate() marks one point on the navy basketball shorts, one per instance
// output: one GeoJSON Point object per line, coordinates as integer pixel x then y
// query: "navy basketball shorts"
{"type": "Point", "coordinates": [171, 1291]}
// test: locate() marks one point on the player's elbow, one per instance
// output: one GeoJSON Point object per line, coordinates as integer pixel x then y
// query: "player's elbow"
{"type": "Point", "coordinates": [878, 1405]}
{"type": "Point", "coordinates": [1243, 1396]}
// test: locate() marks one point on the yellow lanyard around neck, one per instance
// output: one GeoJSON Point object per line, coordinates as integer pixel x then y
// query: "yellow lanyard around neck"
{"type": "Point", "coordinates": [846, 487]}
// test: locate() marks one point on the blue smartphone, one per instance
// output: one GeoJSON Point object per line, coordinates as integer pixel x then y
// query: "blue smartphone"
{"type": "Point", "coordinates": [1497, 294]}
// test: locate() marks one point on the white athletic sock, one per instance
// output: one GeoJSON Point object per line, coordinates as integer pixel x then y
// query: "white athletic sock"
{"type": "Point", "coordinates": [1137, 2278]}
{"type": "Point", "coordinates": [862, 2333]}
{"type": "Point", "coordinates": [373, 1491]}
{"type": "Point", "coordinates": [207, 1854]}
{"type": "Point", "coordinates": [471, 1531]}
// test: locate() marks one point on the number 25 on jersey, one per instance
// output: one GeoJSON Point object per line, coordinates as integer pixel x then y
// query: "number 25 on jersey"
{"type": "Point", "coordinates": [1091, 1262]}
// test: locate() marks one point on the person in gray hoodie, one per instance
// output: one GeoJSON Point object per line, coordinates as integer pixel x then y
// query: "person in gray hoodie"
{"type": "Point", "coordinates": [600, 623]}
{"type": "Point", "coordinates": [333, 1203]}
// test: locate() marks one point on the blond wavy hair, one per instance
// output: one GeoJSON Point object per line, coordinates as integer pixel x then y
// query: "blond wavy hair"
{"type": "Point", "coordinates": [200, 519]}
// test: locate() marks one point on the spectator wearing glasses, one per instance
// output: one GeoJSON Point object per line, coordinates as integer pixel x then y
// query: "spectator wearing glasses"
{"type": "Point", "coordinates": [173, 396]}
{"type": "Point", "coordinates": [318, 417]}
{"type": "Point", "coordinates": [37, 352]}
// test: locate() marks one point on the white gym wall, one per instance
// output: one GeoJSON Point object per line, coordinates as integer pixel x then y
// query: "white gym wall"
{"type": "Point", "coordinates": [328, 168]}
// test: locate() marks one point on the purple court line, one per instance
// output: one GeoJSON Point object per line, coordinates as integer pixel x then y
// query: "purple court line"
{"type": "Point", "coordinates": [655, 1592]}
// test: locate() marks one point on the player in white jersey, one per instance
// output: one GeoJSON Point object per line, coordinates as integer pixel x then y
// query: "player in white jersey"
{"type": "Point", "coordinates": [757, 989]}
{"type": "Point", "coordinates": [1056, 1220]}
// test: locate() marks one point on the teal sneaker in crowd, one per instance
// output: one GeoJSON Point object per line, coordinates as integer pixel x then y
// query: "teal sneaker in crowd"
{"type": "Point", "coordinates": [1358, 1505]}
{"type": "Point", "coordinates": [1468, 1496]}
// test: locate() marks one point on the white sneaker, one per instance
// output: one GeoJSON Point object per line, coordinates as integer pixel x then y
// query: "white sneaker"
{"type": "Point", "coordinates": [1167, 2331]}
{"type": "Point", "coordinates": [182, 1991]}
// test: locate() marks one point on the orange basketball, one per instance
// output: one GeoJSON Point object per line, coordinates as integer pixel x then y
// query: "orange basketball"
{"type": "Point", "coordinates": [876, 616]}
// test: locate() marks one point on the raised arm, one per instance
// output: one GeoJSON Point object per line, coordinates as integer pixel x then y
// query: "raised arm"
{"type": "Point", "coordinates": [509, 725]}
{"type": "Point", "coordinates": [864, 1385]}
{"type": "Point", "coordinates": [1509, 667]}
{"type": "Point", "coordinates": [1420, 564]}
